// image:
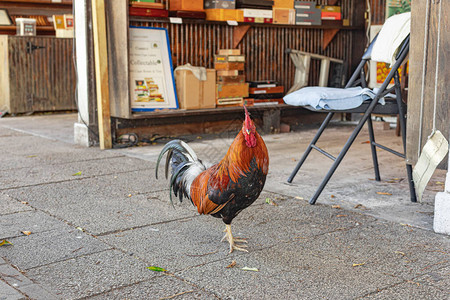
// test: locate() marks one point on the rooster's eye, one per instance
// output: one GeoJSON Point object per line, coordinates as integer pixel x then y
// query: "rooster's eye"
{"type": "Point", "coordinates": [248, 131]}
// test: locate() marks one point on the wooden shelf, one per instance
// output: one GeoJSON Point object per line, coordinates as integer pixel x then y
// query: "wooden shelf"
{"type": "Point", "coordinates": [326, 24]}
{"type": "Point", "coordinates": [35, 6]}
{"type": "Point", "coordinates": [37, 2]}
{"type": "Point", "coordinates": [177, 113]}
{"type": "Point", "coordinates": [40, 30]}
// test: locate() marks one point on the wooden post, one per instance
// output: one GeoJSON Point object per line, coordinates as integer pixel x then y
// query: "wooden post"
{"type": "Point", "coordinates": [101, 73]}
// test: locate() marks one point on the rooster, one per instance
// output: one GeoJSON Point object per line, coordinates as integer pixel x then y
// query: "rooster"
{"type": "Point", "coordinates": [222, 190]}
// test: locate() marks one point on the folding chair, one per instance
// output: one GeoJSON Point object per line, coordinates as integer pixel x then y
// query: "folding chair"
{"type": "Point", "coordinates": [369, 107]}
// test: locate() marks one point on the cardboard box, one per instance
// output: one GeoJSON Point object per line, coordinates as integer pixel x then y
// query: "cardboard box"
{"type": "Point", "coordinates": [232, 90]}
{"type": "Point", "coordinates": [193, 93]}
{"type": "Point", "coordinates": [219, 14]}
{"type": "Point", "coordinates": [229, 58]}
{"type": "Point", "coordinates": [283, 3]}
{"type": "Point", "coordinates": [229, 66]}
{"type": "Point", "coordinates": [225, 4]}
{"type": "Point", "coordinates": [229, 52]}
{"type": "Point", "coordinates": [194, 5]}
{"type": "Point", "coordinates": [283, 15]}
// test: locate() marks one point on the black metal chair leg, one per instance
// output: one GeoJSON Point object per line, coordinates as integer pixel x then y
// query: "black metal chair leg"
{"type": "Point", "coordinates": [341, 155]}
{"type": "Point", "coordinates": [308, 150]}
{"type": "Point", "coordinates": [373, 148]}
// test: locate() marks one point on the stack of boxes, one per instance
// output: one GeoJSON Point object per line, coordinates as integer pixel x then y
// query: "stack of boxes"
{"type": "Point", "coordinates": [306, 13]}
{"type": "Point", "coordinates": [231, 88]}
{"type": "Point", "coordinates": [266, 92]}
{"type": "Point", "coordinates": [271, 11]}
{"type": "Point", "coordinates": [256, 11]}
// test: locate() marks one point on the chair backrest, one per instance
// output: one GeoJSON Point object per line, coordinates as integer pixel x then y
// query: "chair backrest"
{"type": "Point", "coordinates": [368, 52]}
{"type": "Point", "coordinates": [359, 71]}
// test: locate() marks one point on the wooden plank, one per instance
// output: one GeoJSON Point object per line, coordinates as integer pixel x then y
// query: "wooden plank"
{"type": "Point", "coordinates": [4, 74]}
{"type": "Point", "coordinates": [117, 24]}
{"type": "Point", "coordinates": [416, 68]}
{"type": "Point", "coordinates": [101, 73]}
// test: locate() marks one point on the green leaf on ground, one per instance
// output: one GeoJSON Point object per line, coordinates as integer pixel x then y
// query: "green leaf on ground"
{"type": "Point", "coordinates": [156, 269]}
{"type": "Point", "coordinates": [77, 174]}
{"type": "Point", "coordinates": [271, 202]}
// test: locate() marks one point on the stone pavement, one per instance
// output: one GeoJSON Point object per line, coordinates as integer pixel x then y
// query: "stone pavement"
{"type": "Point", "coordinates": [98, 219]}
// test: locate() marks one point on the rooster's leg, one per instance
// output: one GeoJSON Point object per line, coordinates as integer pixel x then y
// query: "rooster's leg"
{"type": "Point", "coordinates": [239, 240]}
{"type": "Point", "coordinates": [229, 236]}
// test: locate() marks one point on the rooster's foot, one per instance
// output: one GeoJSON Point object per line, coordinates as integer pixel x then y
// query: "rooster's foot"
{"type": "Point", "coordinates": [233, 246]}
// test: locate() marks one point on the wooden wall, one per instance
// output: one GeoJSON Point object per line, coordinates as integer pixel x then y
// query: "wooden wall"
{"type": "Point", "coordinates": [428, 82]}
{"type": "Point", "coordinates": [264, 46]}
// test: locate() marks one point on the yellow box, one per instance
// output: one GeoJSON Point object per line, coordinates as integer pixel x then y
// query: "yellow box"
{"type": "Point", "coordinates": [191, 5]}
{"type": "Point", "coordinates": [219, 14]}
{"type": "Point", "coordinates": [283, 3]}
{"type": "Point", "coordinates": [232, 90]}
{"type": "Point", "coordinates": [193, 93]}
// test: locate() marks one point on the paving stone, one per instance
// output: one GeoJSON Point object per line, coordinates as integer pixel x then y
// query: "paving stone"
{"type": "Point", "coordinates": [163, 287]}
{"type": "Point", "coordinates": [197, 240]}
{"type": "Point", "coordinates": [50, 173]}
{"type": "Point", "coordinates": [9, 293]}
{"type": "Point", "coordinates": [286, 271]}
{"type": "Point", "coordinates": [409, 290]}
{"type": "Point", "coordinates": [9, 205]}
{"type": "Point", "coordinates": [34, 145]}
{"type": "Point", "coordinates": [30, 159]}
{"type": "Point", "coordinates": [392, 249]}
{"type": "Point", "coordinates": [35, 291]}
{"type": "Point", "coordinates": [13, 277]}
{"type": "Point", "coordinates": [91, 274]}
{"type": "Point", "coordinates": [103, 204]}
{"type": "Point", "coordinates": [12, 225]}
{"type": "Point", "coordinates": [49, 247]}
{"type": "Point", "coordinates": [438, 278]}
